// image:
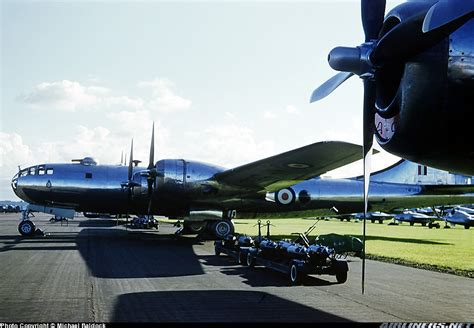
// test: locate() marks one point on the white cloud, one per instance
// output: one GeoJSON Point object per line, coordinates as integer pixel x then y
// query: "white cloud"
{"type": "Point", "coordinates": [71, 96]}
{"type": "Point", "coordinates": [13, 152]}
{"type": "Point", "coordinates": [269, 115]}
{"type": "Point", "coordinates": [164, 98]}
{"type": "Point", "coordinates": [291, 109]}
{"type": "Point", "coordinates": [229, 145]}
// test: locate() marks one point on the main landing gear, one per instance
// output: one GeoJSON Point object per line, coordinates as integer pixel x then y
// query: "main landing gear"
{"type": "Point", "coordinates": [208, 229]}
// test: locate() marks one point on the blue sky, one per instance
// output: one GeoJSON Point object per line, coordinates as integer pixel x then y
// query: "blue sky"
{"type": "Point", "coordinates": [225, 82]}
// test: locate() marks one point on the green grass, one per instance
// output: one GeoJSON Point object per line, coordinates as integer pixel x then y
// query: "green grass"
{"type": "Point", "coordinates": [449, 250]}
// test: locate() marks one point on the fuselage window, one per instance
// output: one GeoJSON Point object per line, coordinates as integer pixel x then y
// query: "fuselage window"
{"type": "Point", "coordinates": [41, 170]}
{"type": "Point", "coordinates": [49, 171]}
{"type": "Point", "coordinates": [32, 170]}
{"type": "Point", "coordinates": [88, 175]}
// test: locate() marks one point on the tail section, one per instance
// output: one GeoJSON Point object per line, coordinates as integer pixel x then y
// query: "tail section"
{"type": "Point", "coordinates": [412, 173]}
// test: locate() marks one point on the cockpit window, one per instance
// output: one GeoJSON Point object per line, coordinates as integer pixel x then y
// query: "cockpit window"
{"type": "Point", "coordinates": [41, 170]}
{"type": "Point", "coordinates": [23, 173]}
{"type": "Point", "coordinates": [32, 170]}
{"type": "Point", "coordinates": [49, 171]}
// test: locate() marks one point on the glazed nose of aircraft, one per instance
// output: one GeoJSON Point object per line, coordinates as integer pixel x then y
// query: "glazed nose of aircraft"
{"type": "Point", "coordinates": [15, 184]}
{"type": "Point", "coordinates": [18, 183]}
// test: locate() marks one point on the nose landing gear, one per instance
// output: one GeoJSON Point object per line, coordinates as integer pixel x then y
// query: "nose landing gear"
{"type": "Point", "coordinates": [26, 227]}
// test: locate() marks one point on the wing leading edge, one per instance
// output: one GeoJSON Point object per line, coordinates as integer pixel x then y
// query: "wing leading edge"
{"type": "Point", "coordinates": [286, 169]}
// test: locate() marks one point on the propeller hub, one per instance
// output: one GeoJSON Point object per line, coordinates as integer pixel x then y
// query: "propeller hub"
{"type": "Point", "coordinates": [353, 59]}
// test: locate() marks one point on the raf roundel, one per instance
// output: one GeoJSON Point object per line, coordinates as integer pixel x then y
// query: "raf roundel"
{"type": "Point", "coordinates": [285, 196]}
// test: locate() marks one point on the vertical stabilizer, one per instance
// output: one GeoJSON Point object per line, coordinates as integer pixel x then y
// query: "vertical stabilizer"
{"type": "Point", "coordinates": [413, 173]}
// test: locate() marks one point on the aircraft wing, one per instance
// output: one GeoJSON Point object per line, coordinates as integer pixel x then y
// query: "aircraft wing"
{"type": "Point", "coordinates": [286, 169]}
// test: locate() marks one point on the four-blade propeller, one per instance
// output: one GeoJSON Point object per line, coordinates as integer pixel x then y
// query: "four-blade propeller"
{"type": "Point", "coordinates": [150, 173]}
{"type": "Point", "coordinates": [384, 49]}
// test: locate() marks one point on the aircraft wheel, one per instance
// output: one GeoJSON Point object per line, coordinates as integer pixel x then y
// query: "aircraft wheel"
{"type": "Point", "coordinates": [250, 260]}
{"type": "Point", "coordinates": [466, 227]}
{"type": "Point", "coordinates": [26, 228]}
{"type": "Point", "coordinates": [380, 221]}
{"type": "Point", "coordinates": [424, 224]}
{"type": "Point", "coordinates": [412, 223]}
{"type": "Point", "coordinates": [223, 228]}
{"type": "Point", "coordinates": [295, 275]}
{"type": "Point", "coordinates": [341, 276]}
{"type": "Point", "coordinates": [194, 227]}
{"type": "Point", "coordinates": [372, 221]}
{"type": "Point", "coordinates": [242, 259]}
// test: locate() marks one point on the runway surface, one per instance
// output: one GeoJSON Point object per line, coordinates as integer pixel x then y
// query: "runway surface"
{"type": "Point", "coordinates": [94, 270]}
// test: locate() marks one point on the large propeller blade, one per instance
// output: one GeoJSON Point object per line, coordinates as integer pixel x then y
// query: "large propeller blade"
{"type": "Point", "coordinates": [151, 173]}
{"type": "Point", "coordinates": [129, 183]}
{"type": "Point", "coordinates": [130, 164]}
{"type": "Point", "coordinates": [372, 12]}
{"type": "Point", "coordinates": [368, 128]}
{"type": "Point", "coordinates": [151, 162]}
{"type": "Point", "coordinates": [444, 13]}
{"type": "Point", "coordinates": [330, 85]}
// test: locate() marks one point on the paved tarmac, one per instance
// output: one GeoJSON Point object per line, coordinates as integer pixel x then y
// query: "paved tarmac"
{"type": "Point", "coordinates": [94, 270]}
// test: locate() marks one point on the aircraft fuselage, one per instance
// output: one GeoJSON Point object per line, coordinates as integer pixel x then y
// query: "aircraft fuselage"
{"type": "Point", "coordinates": [186, 187]}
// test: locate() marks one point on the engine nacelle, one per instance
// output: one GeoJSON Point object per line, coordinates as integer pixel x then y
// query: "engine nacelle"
{"type": "Point", "coordinates": [428, 102]}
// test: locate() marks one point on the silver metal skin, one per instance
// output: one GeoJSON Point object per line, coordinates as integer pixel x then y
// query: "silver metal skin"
{"type": "Point", "coordinates": [172, 187]}
{"type": "Point", "coordinates": [188, 189]}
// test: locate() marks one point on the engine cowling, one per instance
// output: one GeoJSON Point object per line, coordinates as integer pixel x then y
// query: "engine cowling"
{"type": "Point", "coordinates": [425, 106]}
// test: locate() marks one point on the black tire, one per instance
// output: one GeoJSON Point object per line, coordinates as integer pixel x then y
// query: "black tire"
{"type": "Point", "coordinates": [242, 259]}
{"type": "Point", "coordinates": [294, 275]}
{"type": "Point", "coordinates": [466, 226]}
{"type": "Point", "coordinates": [194, 227]}
{"type": "Point", "coordinates": [412, 223]}
{"type": "Point", "coordinates": [372, 221]}
{"type": "Point", "coordinates": [250, 260]}
{"type": "Point", "coordinates": [341, 276]}
{"type": "Point", "coordinates": [26, 228]}
{"type": "Point", "coordinates": [423, 224]}
{"type": "Point", "coordinates": [380, 221]}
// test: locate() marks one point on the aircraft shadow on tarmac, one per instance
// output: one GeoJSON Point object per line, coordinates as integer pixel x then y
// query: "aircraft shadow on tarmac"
{"type": "Point", "coordinates": [260, 276]}
{"type": "Point", "coordinates": [137, 255]}
{"type": "Point", "coordinates": [96, 223]}
{"type": "Point", "coordinates": [214, 306]}
{"type": "Point", "coordinates": [39, 243]}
